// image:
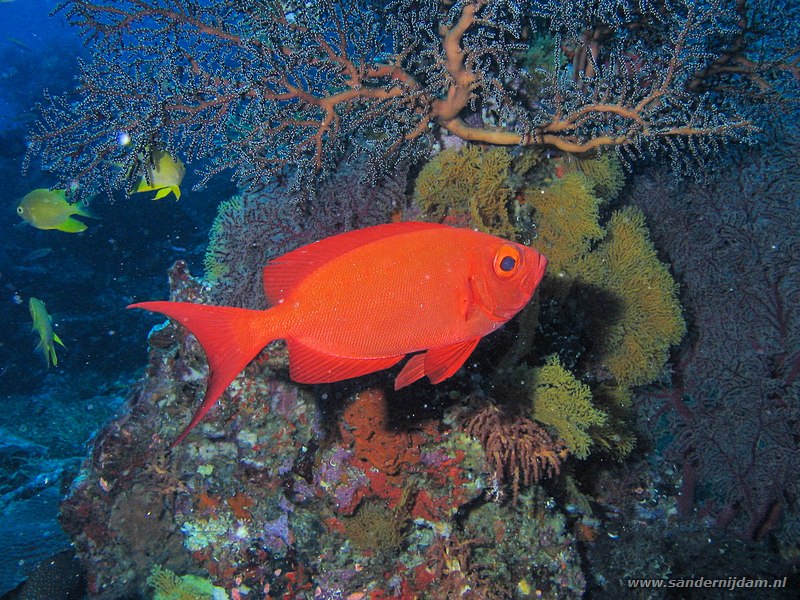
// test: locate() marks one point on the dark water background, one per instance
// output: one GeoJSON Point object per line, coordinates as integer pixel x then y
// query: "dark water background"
{"type": "Point", "coordinates": [85, 280]}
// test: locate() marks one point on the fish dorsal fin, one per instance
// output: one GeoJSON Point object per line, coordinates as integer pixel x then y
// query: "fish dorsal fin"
{"type": "Point", "coordinates": [283, 274]}
{"type": "Point", "coordinates": [437, 363]}
{"type": "Point", "coordinates": [307, 365]}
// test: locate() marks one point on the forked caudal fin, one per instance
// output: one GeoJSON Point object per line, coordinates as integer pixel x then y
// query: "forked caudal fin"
{"type": "Point", "coordinates": [231, 338]}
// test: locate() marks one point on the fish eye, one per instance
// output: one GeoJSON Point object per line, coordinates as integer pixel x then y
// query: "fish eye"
{"type": "Point", "coordinates": [507, 261]}
{"type": "Point", "coordinates": [20, 210]}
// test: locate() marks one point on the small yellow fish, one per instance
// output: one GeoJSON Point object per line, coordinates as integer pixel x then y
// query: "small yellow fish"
{"type": "Point", "coordinates": [164, 174]}
{"type": "Point", "coordinates": [43, 325]}
{"type": "Point", "coordinates": [49, 209]}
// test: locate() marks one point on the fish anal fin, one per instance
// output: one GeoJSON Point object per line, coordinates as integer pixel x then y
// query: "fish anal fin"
{"type": "Point", "coordinates": [162, 193]}
{"type": "Point", "coordinates": [71, 226]}
{"type": "Point", "coordinates": [284, 273]}
{"type": "Point", "coordinates": [437, 363]}
{"type": "Point", "coordinates": [308, 365]}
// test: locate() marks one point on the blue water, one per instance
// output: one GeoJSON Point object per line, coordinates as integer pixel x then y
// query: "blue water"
{"type": "Point", "coordinates": [85, 280]}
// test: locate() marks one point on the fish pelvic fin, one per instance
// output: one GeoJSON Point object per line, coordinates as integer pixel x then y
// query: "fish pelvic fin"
{"type": "Point", "coordinates": [231, 338]}
{"type": "Point", "coordinates": [437, 363]}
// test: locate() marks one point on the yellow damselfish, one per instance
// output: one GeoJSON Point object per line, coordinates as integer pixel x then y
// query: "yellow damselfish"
{"type": "Point", "coordinates": [164, 174]}
{"type": "Point", "coordinates": [49, 209]}
{"type": "Point", "coordinates": [43, 325]}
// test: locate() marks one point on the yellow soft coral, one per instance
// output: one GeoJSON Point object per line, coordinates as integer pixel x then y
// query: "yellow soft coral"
{"type": "Point", "coordinates": [563, 402]}
{"type": "Point", "coordinates": [604, 172]}
{"type": "Point", "coordinates": [614, 437]}
{"type": "Point", "coordinates": [634, 348]}
{"type": "Point", "coordinates": [470, 183]}
{"type": "Point", "coordinates": [567, 221]}
{"type": "Point", "coordinates": [169, 586]}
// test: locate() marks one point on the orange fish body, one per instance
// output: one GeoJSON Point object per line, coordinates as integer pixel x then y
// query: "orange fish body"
{"type": "Point", "coordinates": [359, 302]}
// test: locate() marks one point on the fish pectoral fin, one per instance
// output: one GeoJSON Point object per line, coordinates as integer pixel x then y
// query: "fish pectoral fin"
{"type": "Point", "coordinates": [308, 365]}
{"type": "Point", "coordinates": [58, 340]}
{"type": "Point", "coordinates": [437, 363]}
{"type": "Point", "coordinates": [71, 226]}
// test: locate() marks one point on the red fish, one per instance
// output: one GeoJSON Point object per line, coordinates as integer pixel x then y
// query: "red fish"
{"type": "Point", "coordinates": [359, 302]}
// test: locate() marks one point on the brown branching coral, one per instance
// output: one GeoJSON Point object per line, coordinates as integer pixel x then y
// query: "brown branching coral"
{"type": "Point", "coordinates": [520, 451]}
{"type": "Point", "coordinates": [377, 528]}
{"type": "Point", "coordinates": [471, 185]}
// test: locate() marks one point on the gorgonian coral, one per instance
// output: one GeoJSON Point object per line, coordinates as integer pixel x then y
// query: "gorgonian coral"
{"type": "Point", "coordinates": [270, 87]}
{"type": "Point", "coordinates": [467, 185]}
{"type": "Point", "coordinates": [567, 221]}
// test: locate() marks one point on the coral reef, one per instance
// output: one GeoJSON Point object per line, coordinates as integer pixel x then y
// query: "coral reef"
{"type": "Point", "coordinates": [607, 309]}
{"type": "Point", "coordinates": [728, 413]}
{"type": "Point", "coordinates": [289, 491]}
{"type": "Point", "coordinates": [272, 496]}
{"type": "Point", "coordinates": [645, 538]}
